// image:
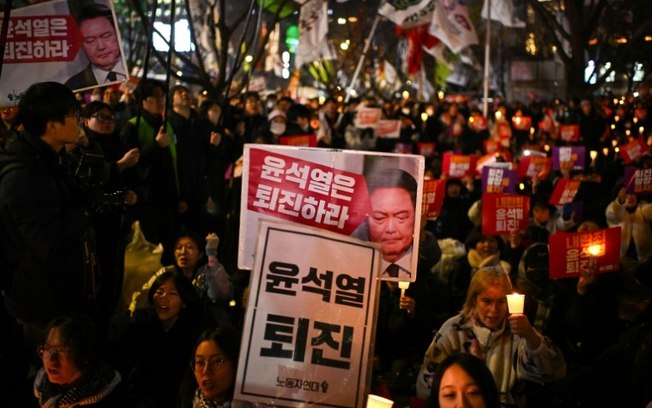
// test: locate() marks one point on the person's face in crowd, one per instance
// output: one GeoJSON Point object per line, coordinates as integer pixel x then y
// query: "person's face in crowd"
{"type": "Point", "coordinates": [69, 132]}
{"type": "Point", "coordinates": [57, 360]}
{"type": "Point", "coordinates": [588, 226]}
{"type": "Point", "coordinates": [214, 372]}
{"type": "Point", "coordinates": [110, 97]}
{"type": "Point", "coordinates": [277, 125]}
{"type": "Point", "coordinates": [181, 98]}
{"type": "Point", "coordinates": [391, 222]}
{"type": "Point", "coordinates": [631, 201]}
{"type": "Point", "coordinates": [541, 214]}
{"type": "Point", "coordinates": [252, 106]}
{"type": "Point", "coordinates": [303, 122]}
{"type": "Point", "coordinates": [459, 390]}
{"type": "Point", "coordinates": [186, 253]}
{"type": "Point", "coordinates": [213, 114]}
{"type": "Point", "coordinates": [586, 109]}
{"type": "Point", "coordinates": [100, 42]}
{"type": "Point", "coordinates": [155, 104]}
{"type": "Point", "coordinates": [8, 114]}
{"type": "Point", "coordinates": [167, 303]}
{"type": "Point", "coordinates": [453, 190]}
{"type": "Point", "coordinates": [491, 306]}
{"type": "Point", "coordinates": [487, 246]}
{"type": "Point", "coordinates": [102, 122]}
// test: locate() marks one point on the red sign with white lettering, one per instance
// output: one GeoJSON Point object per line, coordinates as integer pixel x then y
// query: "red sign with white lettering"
{"type": "Point", "coordinates": [570, 253]}
{"type": "Point", "coordinates": [504, 213]}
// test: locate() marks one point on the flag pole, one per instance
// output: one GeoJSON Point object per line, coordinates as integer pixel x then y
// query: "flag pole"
{"type": "Point", "coordinates": [487, 52]}
{"type": "Point", "coordinates": [362, 57]}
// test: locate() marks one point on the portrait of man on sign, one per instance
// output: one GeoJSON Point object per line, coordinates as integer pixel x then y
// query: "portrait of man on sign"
{"type": "Point", "coordinates": [99, 40]}
{"type": "Point", "coordinates": [391, 220]}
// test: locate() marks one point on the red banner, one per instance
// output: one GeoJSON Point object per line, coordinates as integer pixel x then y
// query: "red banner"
{"type": "Point", "coordinates": [305, 192]}
{"type": "Point", "coordinates": [570, 253]}
{"type": "Point", "coordinates": [299, 140]}
{"type": "Point", "coordinates": [433, 197]}
{"type": "Point", "coordinates": [458, 165]}
{"type": "Point", "coordinates": [504, 213]}
{"type": "Point", "coordinates": [34, 39]}
{"type": "Point", "coordinates": [564, 192]}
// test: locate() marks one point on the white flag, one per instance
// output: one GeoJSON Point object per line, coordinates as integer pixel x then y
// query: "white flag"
{"type": "Point", "coordinates": [451, 24]}
{"type": "Point", "coordinates": [313, 28]}
{"type": "Point", "coordinates": [503, 12]}
{"type": "Point", "coordinates": [415, 13]}
{"type": "Point", "coordinates": [273, 60]}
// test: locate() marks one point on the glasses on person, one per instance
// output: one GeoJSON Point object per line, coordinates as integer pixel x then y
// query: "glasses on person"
{"type": "Point", "coordinates": [104, 118]}
{"type": "Point", "coordinates": [47, 351]}
{"type": "Point", "coordinates": [200, 365]}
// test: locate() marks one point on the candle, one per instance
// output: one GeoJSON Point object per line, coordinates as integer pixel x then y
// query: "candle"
{"type": "Point", "coordinates": [594, 249]}
{"type": "Point", "coordinates": [515, 303]}
{"type": "Point", "coordinates": [374, 401]}
{"type": "Point", "coordinates": [403, 285]}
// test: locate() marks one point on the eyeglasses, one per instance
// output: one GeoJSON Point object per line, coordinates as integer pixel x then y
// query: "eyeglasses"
{"type": "Point", "coordinates": [104, 118]}
{"type": "Point", "coordinates": [209, 365]}
{"type": "Point", "coordinates": [47, 351]}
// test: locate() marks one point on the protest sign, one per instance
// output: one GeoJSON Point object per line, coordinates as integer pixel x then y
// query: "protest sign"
{"type": "Point", "coordinates": [534, 165]}
{"type": "Point", "coordinates": [504, 213]}
{"type": "Point", "coordinates": [433, 197]}
{"type": "Point", "coordinates": [426, 149]}
{"type": "Point", "coordinates": [637, 181]}
{"type": "Point", "coordinates": [570, 253]}
{"type": "Point", "coordinates": [309, 324]}
{"type": "Point", "coordinates": [569, 133]}
{"type": "Point", "coordinates": [329, 189]}
{"type": "Point", "coordinates": [367, 117]}
{"type": "Point", "coordinates": [564, 192]}
{"type": "Point", "coordinates": [388, 128]}
{"type": "Point", "coordinates": [298, 140]}
{"type": "Point", "coordinates": [522, 122]}
{"type": "Point", "coordinates": [458, 165]}
{"type": "Point", "coordinates": [633, 151]}
{"type": "Point", "coordinates": [498, 179]}
{"type": "Point", "coordinates": [45, 43]}
{"type": "Point", "coordinates": [572, 157]}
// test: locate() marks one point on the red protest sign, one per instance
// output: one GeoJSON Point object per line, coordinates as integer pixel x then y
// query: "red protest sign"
{"type": "Point", "coordinates": [564, 192]}
{"type": "Point", "coordinates": [633, 151]}
{"type": "Point", "coordinates": [306, 192]}
{"type": "Point", "coordinates": [433, 197]}
{"type": "Point", "coordinates": [458, 165]}
{"type": "Point", "coordinates": [504, 213]}
{"type": "Point", "coordinates": [570, 253]}
{"type": "Point", "coordinates": [534, 165]}
{"type": "Point", "coordinates": [569, 133]}
{"type": "Point", "coordinates": [299, 140]}
{"type": "Point", "coordinates": [522, 122]}
{"type": "Point", "coordinates": [426, 149]}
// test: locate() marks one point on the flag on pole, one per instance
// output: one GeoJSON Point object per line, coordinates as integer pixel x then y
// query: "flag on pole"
{"type": "Point", "coordinates": [273, 60]}
{"type": "Point", "coordinates": [503, 12]}
{"type": "Point", "coordinates": [451, 24]}
{"type": "Point", "coordinates": [313, 28]}
{"type": "Point", "coordinates": [408, 14]}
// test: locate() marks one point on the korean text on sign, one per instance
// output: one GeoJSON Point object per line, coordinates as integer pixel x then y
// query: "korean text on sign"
{"type": "Point", "coordinates": [40, 39]}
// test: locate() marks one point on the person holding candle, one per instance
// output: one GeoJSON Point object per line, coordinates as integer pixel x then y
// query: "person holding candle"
{"type": "Point", "coordinates": [513, 350]}
{"type": "Point", "coordinates": [633, 217]}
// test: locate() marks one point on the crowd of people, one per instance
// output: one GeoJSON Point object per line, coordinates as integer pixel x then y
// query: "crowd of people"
{"type": "Point", "coordinates": [76, 174]}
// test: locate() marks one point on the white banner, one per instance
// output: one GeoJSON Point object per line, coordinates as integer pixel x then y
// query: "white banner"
{"type": "Point", "coordinates": [503, 12]}
{"type": "Point", "coordinates": [368, 195]}
{"type": "Point", "coordinates": [310, 320]}
{"type": "Point", "coordinates": [45, 43]}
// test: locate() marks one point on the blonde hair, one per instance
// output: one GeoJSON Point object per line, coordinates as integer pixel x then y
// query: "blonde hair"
{"type": "Point", "coordinates": [482, 279]}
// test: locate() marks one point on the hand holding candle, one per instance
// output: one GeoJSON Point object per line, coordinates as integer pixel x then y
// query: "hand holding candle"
{"type": "Point", "coordinates": [406, 302]}
{"type": "Point", "coordinates": [515, 303]}
{"type": "Point", "coordinates": [403, 285]}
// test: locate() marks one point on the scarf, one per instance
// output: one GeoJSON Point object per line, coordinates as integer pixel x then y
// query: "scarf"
{"type": "Point", "coordinates": [199, 401]}
{"type": "Point", "coordinates": [89, 389]}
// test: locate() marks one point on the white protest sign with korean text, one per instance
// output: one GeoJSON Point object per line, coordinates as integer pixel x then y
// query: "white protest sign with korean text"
{"type": "Point", "coordinates": [333, 190]}
{"type": "Point", "coordinates": [309, 324]}
{"type": "Point", "coordinates": [44, 43]}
